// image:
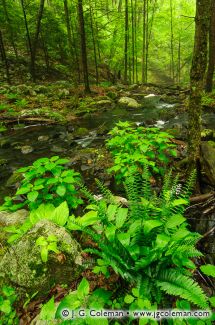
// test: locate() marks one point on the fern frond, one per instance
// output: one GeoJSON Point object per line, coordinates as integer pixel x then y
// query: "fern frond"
{"type": "Point", "coordinates": [177, 284]}
{"type": "Point", "coordinates": [105, 191]}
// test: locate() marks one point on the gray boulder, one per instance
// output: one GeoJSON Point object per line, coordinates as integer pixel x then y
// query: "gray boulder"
{"type": "Point", "coordinates": [128, 102]}
{"type": "Point", "coordinates": [22, 264]}
{"type": "Point", "coordinates": [11, 219]}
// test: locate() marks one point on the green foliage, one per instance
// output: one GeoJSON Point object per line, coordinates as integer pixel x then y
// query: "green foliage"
{"type": "Point", "coordinates": [132, 148]}
{"type": "Point", "coordinates": [47, 180]}
{"type": "Point", "coordinates": [59, 215]}
{"type": "Point", "coordinates": [208, 99]}
{"type": "Point", "coordinates": [79, 299]}
{"type": "Point", "coordinates": [148, 243]}
{"type": "Point", "coordinates": [2, 127]}
{"type": "Point", "coordinates": [47, 244]}
{"type": "Point", "coordinates": [208, 269]}
{"type": "Point", "coordinates": [7, 311]}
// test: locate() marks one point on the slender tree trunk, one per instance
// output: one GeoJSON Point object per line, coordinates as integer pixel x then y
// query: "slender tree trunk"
{"type": "Point", "coordinates": [27, 31]}
{"type": "Point", "coordinates": [94, 44]}
{"type": "Point", "coordinates": [36, 38]}
{"type": "Point", "coordinates": [126, 44]}
{"type": "Point", "coordinates": [147, 40]}
{"type": "Point", "coordinates": [133, 40]}
{"type": "Point", "coordinates": [172, 68]}
{"type": "Point", "coordinates": [179, 59]}
{"type": "Point", "coordinates": [68, 27]}
{"type": "Point", "coordinates": [4, 57]}
{"type": "Point", "coordinates": [10, 28]}
{"type": "Point", "coordinates": [211, 63]}
{"type": "Point", "coordinates": [197, 74]}
{"type": "Point", "coordinates": [144, 43]}
{"type": "Point", "coordinates": [83, 46]}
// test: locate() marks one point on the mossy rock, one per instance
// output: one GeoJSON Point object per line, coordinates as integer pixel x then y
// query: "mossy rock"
{"type": "Point", "coordinates": [14, 218]}
{"type": "Point", "coordinates": [80, 133]}
{"type": "Point", "coordinates": [23, 267]}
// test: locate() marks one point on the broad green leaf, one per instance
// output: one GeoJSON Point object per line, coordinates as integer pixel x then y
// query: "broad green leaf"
{"type": "Point", "coordinates": [52, 181]}
{"type": "Point", "coordinates": [23, 190]}
{"type": "Point", "coordinates": [208, 270]}
{"type": "Point", "coordinates": [5, 307]}
{"type": "Point", "coordinates": [62, 161]}
{"type": "Point", "coordinates": [48, 310]}
{"type": "Point", "coordinates": [128, 299]}
{"type": "Point", "coordinates": [212, 301]}
{"type": "Point", "coordinates": [61, 190]}
{"type": "Point", "coordinates": [179, 202]}
{"type": "Point", "coordinates": [110, 232]}
{"type": "Point", "coordinates": [44, 254]}
{"type": "Point", "coordinates": [162, 241]}
{"type": "Point", "coordinates": [41, 241]}
{"type": "Point", "coordinates": [151, 224]}
{"type": "Point", "coordinates": [90, 218]}
{"type": "Point", "coordinates": [111, 211]}
{"type": "Point", "coordinates": [83, 288]}
{"type": "Point", "coordinates": [32, 196]}
{"type": "Point", "coordinates": [69, 180]}
{"type": "Point", "coordinates": [54, 158]}
{"type": "Point", "coordinates": [174, 221]}
{"type": "Point", "coordinates": [61, 214]}
{"type": "Point", "coordinates": [121, 216]}
{"type": "Point", "coordinates": [53, 247]}
{"type": "Point", "coordinates": [124, 239]}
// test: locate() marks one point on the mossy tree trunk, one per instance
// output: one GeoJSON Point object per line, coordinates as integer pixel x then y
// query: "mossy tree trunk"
{"type": "Point", "coordinates": [197, 75]}
{"type": "Point", "coordinates": [211, 63]}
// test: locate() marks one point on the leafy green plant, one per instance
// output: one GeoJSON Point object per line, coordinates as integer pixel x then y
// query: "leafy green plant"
{"type": "Point", "coordinates": [208, 270]}
{"type": "Point", "coordinates": [47, 180]}
{"type": "Point", "coordinates": [2, 127]}
{"type": "Point", "coordinates": [7, 312]}
{"type": "Point", "coordinates": [47, 244]}
{"type": "Point", "coordinates": [12, 97]}
{"type": "Point", "coordinates": [148, 243]}
{"type": "Point", "coordinates": [132, 148]}
{"type": "Point", "coordinates": [21, 103]}
{"type": "Point", "coordinates": [76, 300]}
{"type": "Point", "coordinates": [59, 215]}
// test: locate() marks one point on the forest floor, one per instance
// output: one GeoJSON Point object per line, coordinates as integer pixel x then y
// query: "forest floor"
{"type": "Point", "coordinates": [81, 123]}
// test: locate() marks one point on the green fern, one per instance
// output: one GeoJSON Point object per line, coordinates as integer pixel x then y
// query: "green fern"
{"type": "Point", "coordinates": [176, 284]}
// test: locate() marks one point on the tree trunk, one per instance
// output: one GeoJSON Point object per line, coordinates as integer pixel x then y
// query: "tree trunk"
{"type": "Point", "coordinates": [27, 31]}
{"type": "Point", "coordinates": [4, 57]}
{"type": "Point", "coordinates": [172, 65]}
{"type": "Point", "coordinates": [10, 28]}
{"type": "Point", "coordinates": [83, 46]}
{"type": "Point", "coordinates": [94, 44]}
{"type": "Point", "coordinates": [69, 34]}
{"type": "Point", "coordinates": [211, 63]}
{"type": "Point", "coordinates": [197, 74]}
{"type": "Point", "coordinates": [144, 43]}
{"type": "Point", "coordinates": [36, 37]}
{"type": "Point", "coordinates": [126, 44]}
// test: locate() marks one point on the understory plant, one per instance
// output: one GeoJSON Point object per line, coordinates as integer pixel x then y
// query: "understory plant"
{"type": "Point", "coordinates": [133, 147]}
{"type": "Point", "coordinates": [7, 311]}
{"type": "Point", "coordinates": [48, 180]}
{"type": "Point", "coordinates": [148, 243]}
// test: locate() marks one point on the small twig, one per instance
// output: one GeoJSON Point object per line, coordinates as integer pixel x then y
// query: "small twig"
{"type": "Point", "coordinates": [208, 232]}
